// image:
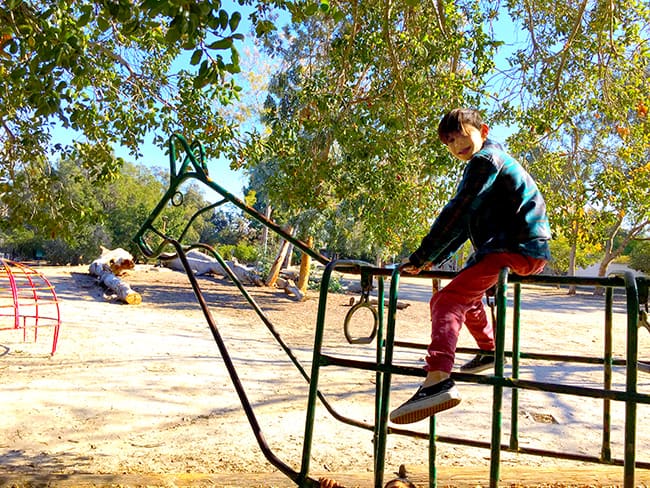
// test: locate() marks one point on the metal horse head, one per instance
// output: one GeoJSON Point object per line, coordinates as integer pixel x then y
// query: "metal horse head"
{"type": "Point", "coordinates": [193, 166]}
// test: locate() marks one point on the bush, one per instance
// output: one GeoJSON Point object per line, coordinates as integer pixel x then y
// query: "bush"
{"type": "Point", "coordinates": [227, 251]}
{"type": "Point", "coordinates": [23, 247]}
{"type": "Point", "coordinates": [59, 253]}
{"type": "Point", "coordinates": [246, 253]}
{"type": "Point", "coordinates": [640, 257]}
{"type": "Point", "coordinates": [335, 285]}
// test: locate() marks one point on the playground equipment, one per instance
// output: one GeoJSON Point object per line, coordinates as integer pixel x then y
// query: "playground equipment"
{"type": "Point", "coordinates": [157, 243]}
{"type": "Point", "coordinates": [27, 299]}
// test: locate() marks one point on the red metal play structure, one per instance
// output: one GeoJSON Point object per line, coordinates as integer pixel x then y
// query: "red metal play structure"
{"type": "Point", "coordinates": [27, 300]}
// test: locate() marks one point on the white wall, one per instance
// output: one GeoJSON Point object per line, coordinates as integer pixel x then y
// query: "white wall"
{"type": "Point", "coordinates": [613, 268]}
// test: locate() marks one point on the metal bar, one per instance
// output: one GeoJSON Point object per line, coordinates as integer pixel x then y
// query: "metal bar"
{"type": "Point", "coordinates": [433, 473]}
{"type": "Point", "coordinates": [631, 372]}
{"type": "Point", "coordinates": [200, 173]}
{"type": "Point", "coordinates": [239, 388]}
{"type": "Point", "coordinates": [497, 397]}
{"type": "Point", "coordinates": [606, 449]}
{"type": "Point", "coordinates": [378, 375]}
{"type": "Point", "coordinates": [315, 369]}
{"type": "Point", "coordinates": [516, 351]}
{"type": "Point", "coordinates": [388, 361]}
{"type": "Point", "coordinates": [525, 355]}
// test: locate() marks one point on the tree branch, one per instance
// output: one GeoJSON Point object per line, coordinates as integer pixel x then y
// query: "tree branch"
{"type": "Point", "coordinates": [397, 72]}
{"type": "Point", "coordinates": [564, 53]}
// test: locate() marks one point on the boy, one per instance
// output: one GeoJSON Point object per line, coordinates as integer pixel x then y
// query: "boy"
{"type": "Point", "coordinates": [497, 207]}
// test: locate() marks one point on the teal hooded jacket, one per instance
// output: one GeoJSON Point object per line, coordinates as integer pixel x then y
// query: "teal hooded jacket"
{"type": "Point", "coordinates": [497, 206]}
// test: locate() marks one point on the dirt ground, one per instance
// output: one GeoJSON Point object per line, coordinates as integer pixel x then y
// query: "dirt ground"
{"type": "Point", "coordinates": [138, 395]}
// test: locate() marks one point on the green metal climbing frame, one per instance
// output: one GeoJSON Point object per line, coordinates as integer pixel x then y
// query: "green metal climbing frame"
{"type": "Point", "coordinates": [383, 332]}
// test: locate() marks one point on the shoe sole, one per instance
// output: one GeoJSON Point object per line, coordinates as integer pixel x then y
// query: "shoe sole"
{"type": "Point", "coordinates": [478, 369]}
{"type": "Point", "coordinates": [418, 414]}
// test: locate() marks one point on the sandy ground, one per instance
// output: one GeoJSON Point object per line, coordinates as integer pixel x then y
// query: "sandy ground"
{"type": "Point", "coordinates": [138, 395]}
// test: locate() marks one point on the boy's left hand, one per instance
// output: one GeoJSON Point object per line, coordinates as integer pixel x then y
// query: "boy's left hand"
{"type": "Point", "coordinates": [409, 268]}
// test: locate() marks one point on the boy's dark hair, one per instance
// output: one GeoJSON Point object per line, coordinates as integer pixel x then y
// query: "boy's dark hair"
{"type": "Point", "coordinates": [456, 120]}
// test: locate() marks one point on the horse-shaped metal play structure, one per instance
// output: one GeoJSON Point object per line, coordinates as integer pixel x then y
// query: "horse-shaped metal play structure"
{"type": "Point", "coordinates": [187, 164]}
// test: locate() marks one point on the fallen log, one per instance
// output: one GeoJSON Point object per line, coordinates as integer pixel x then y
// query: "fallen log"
{"type": "Point", "coordinates": [290, 288]}
{"type": "Point", "coordinates": [107, 268]}
{"type": "Point", "coordinates": [202, 264]}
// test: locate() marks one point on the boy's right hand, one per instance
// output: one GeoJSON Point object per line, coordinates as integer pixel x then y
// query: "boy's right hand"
{"type": "Point", "coordinates": [409, 268]}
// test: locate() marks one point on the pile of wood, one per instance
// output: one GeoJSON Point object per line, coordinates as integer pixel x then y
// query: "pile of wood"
{"type": "Point", "coordinates": [109, 267]}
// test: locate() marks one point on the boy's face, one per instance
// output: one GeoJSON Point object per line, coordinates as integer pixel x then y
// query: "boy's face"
{"type": "Point", "coordinates": [465, 144]}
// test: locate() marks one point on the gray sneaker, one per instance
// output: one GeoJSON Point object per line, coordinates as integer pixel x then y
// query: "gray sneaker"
{"type": "Point", "coordinates": [427, 402]}
{"type": "Point", "coordinates": [480, 362]}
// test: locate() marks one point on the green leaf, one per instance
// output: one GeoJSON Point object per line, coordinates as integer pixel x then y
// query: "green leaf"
{"type": "Point", "coordinates": [232, 68]}
{"type": "Point", "coordinates": [223, 19]}
{"type": "Point", "coordinates": [196, 57]}
{"type": "Point", "coordinates": [84, 18]}
{"type": "Point", "coordinates": [225, 43]}
{"type": "Point", "coordinates": [264, 27]}
{"type": "Point", "coordinates": [102, 23]}
{"type": "Point", "coordinates": [235, 18]}
{"type": "Point", "coordinates": [173, 34]}
{"type": "Point", "coordinates": [234, 56]}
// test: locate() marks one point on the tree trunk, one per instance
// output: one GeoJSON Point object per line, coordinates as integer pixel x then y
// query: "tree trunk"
{"type": "Point", "coordinates": [265, 230]}
{"type": "Point", "coordinates": [610, 252]}
{"type": "Point", "coordinates": [287, 258]}
{"type": "Point", "coordinates": [572, 267]}
{"type": "Point", "coordinates": [274, 273]}
{"type": "Point", "coordinates": [305, 265]}
{"type": "Point", "coordinates": [609, 256]}
{"type": "Point", "coordinates": [201, 264]}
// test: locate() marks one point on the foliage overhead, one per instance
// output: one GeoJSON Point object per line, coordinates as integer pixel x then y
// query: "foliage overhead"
{"type": "Point", "coordinates": [109, 73]}
{"type": "Point", "coordinates": [349, 148]}
{"type": "Point", "coordinates": [579, 89]}
{"type": "Point", "coordinates": [353, 113]}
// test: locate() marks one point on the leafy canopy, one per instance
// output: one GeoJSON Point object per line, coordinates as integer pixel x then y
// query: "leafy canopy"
{"type": "Point", "coordinates": [352, 116]}
{"type": "Point", "coordinates": [108, 72]}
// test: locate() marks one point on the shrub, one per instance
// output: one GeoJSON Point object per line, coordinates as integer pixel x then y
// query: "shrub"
{"type": "Point", "coordinates": [227, 251]}
{"type": "Point", "coordinates": [246, 253]}
{"type": "Point", "coordinates": [640, 257]}
{"type": "Point", "coordinates": [59, 253]}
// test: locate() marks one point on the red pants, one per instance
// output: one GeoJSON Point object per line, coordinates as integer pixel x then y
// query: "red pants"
{"type": "Point", "coordinates": [461, 301]}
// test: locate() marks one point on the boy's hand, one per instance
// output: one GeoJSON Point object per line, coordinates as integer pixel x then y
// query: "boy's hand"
{"type": "Point", "coordinates": [409, 268]}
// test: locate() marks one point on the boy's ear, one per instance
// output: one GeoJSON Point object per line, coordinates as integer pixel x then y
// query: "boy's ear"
{"type": "Point", "coordinates": [484, 131]}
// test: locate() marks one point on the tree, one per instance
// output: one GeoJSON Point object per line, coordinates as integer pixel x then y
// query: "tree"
{"type": "Point", "coordinates": [105, 71]}
{"type": "Point", "coordinates": [107, 213]}
{"type": "Point", "coordinates": [581, 82]}
{"type": "Point", "coordinates": [352, 115]}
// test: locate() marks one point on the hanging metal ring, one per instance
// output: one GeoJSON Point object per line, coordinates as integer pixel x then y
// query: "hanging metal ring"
{"type": "Point", "coordinates": [363, 303]}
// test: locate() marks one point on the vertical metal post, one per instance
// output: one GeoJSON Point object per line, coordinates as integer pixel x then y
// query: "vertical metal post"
{"type": "Point", "coordinates": [315, 368]}
{"type": "Point", "coordinates": [378, 373]}
{"type": "Point", "coordinates": [631, 375]}
{"type": "Point", "coordinates": [433, 473]}
{"type": "Point", "coordinates": [606, 450]}
{"type": "Point", "coordinates": [516, 351]}
{"type": "Point", "coordinates": [385, 393]}
{"type": "Point", "coordinates": [501, 302]}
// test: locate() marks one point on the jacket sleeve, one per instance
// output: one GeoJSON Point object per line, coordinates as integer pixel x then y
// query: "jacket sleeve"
{"type": "Point", "coordinates": [451, 229]}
